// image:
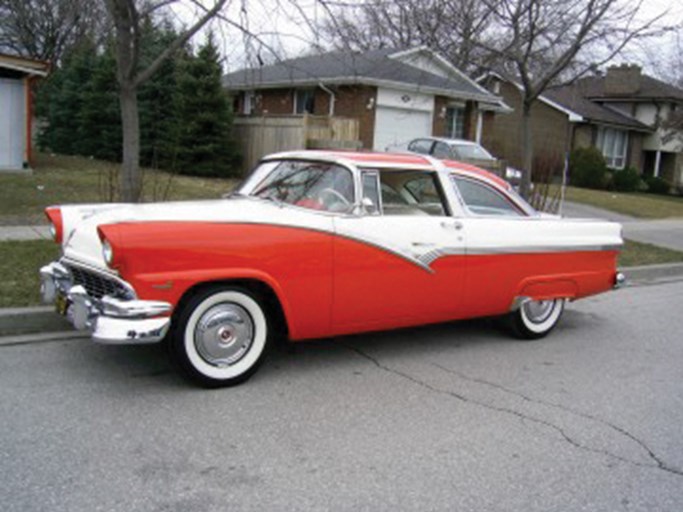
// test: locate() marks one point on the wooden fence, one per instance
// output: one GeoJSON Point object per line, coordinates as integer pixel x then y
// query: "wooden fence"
{"type": "Point", "coordinates": [260, 136]}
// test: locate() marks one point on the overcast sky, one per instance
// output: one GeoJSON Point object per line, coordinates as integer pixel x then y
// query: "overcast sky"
{"type": "Point", "coordinates": [284, 27]}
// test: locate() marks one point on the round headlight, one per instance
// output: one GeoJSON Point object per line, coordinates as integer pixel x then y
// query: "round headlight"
{"type": "Point", "coordinates": [53, 231]}
{"type": "Point", "coordinates": [107, 252]}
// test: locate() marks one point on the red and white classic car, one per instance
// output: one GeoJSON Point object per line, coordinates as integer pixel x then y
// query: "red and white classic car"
{"type": "Point", "coordinates": [317, 244]}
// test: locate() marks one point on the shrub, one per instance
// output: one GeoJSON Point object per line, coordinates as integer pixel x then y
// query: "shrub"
{"type": "Point", "coordinates": [626, 180]}
{"type": "Point", "coordinates": [608, 180]}
{"type": "Point", "coordinates": [587, 168]}
{"type": "Point", "coordinates": [657, 185]}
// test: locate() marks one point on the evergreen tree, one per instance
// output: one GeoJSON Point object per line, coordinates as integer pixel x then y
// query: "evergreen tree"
{"type": "Point", "coordinates": [185, 115]}
{"type": "Point", "coordinates": [66, 93]}
{"type": "Point", "coordinates": [157, 99]}
{"type": "Point", "coordinates": [100, 118]}
{"type": "Point", "coordinates": [205, 144]}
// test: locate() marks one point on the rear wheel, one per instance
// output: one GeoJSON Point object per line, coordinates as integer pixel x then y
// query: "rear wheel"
{"type": "Point", "coordinates": [535, 318]}
{"type": "Point", "coordinates": [221, 336]}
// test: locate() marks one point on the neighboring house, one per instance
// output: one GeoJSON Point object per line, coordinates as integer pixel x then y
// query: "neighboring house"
{"type": "Point", "coordinates": [395, 95]}
{"type": "Point", "coordinates": [16, 76]}
{"type": "Point", "coordinates": [622, 113]}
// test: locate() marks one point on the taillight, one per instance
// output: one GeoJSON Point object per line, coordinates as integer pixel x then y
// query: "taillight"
{"type": "Point", "coordinates": [54, 215]}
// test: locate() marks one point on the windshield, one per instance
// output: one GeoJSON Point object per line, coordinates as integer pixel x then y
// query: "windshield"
{"type": "Point", "coordinates": [312, 185]}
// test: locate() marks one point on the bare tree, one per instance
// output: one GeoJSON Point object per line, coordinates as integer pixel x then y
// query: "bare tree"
{"type": "Point", "coordinates": [45, 29]}
{"type": "Point", "coordinates": [542, 42]}
{"type": "Point", "coordinates": [127, 16]}
{"type": "Point", "coordinates": [451, 27]}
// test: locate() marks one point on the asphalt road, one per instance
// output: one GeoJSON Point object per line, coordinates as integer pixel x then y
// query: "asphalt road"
{"type": "Point", "coordinates": [453, 417]}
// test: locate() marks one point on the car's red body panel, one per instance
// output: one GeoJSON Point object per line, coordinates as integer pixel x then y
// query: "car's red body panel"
{"type": "Point", "coordinates": [330, 285]}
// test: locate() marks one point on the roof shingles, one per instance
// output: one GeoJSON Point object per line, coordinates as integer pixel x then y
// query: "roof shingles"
{"type": "Point", "coordinates": [349, 68]}
{"type": "Point", "coordinates": [571, 98]}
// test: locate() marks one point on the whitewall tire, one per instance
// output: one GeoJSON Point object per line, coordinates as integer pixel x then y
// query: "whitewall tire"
{"type": "Point", "coordinates": [221, 336]}
{"type": "Point", "coordinates": [535, 319]}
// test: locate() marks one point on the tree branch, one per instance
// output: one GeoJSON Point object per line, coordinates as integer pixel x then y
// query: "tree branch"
{"type": "Point", "coordinates": [179, 41]}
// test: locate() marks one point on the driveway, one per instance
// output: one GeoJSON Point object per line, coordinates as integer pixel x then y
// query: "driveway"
{"type": "Point", "coordinates": [444, 418]}
{"type": "Point", "coordinates": [663, 232]}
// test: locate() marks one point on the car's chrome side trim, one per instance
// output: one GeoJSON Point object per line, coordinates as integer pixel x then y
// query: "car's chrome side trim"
{"type": "Point", "coordinates": [528, 249]}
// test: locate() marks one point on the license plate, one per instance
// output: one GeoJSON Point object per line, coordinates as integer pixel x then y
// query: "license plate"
{"type": "Point", "coordinates": [61, 304]}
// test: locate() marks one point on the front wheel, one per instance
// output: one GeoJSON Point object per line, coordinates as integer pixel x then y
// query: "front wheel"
{"type": "Point", "coordinates": [535, 318]}
{"type": "Point", "coordinates": [221, 336]}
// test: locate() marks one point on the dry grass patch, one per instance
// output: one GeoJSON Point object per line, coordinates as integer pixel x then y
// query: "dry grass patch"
{"type": "Point", "coordinates": [69, 179]}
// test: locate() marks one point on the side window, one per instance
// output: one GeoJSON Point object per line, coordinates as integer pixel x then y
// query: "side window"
{"type": "Point", "coordinates": [317, 186]}
{"type": "Point", "coordinates": [422, 146]}
{"type": "Point", "coordinates": [441, 150]}
{"type": "Point", "coordinates": [482, 199]}
{"type": "Point", "coordinates": [410, 193]}
{"type": "Point", "coordinates": [371, 192]}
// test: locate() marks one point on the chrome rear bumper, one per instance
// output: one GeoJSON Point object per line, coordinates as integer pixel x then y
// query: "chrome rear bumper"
{"type": "Point", "coordinates": [110, 320]}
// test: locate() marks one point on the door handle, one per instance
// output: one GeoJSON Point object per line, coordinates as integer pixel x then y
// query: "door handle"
{"type": "Point", "coordinates": [455, 225]}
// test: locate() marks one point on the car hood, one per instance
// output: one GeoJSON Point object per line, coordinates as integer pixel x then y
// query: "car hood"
{"type": "Point", "coordinates": [81, 242]}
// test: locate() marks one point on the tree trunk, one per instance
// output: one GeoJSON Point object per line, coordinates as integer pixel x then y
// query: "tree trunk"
{"type": "Point", "coordinates": [527, 150]}
{"type": "Point", "coordinates": [130, 178]}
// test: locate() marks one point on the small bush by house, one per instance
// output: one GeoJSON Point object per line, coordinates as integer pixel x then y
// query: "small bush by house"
{"type": "Point", "coordinates": [657, 185]}
{"type": "Point", "coordinates": [587, 168]}
{"type": "Point", "coordinates": [626, 180]}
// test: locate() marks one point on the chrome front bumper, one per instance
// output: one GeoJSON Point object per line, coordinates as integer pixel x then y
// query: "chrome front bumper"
{"type": "Point", "coordinates": [110, 320]}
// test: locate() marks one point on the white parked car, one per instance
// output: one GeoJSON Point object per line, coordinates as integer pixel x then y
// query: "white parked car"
{"type": "Point", "coordinates": [465, 151]}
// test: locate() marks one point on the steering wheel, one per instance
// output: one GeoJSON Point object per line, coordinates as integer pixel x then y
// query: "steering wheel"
{"type": "Point", "coordinates": [335, 194]}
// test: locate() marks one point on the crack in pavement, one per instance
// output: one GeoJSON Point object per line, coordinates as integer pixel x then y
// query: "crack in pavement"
{"type": "Point", "coordinates": [513, 412]}
{"type": "Point", "coordinates": [659, 462]}
{"type": "Point", "coordinates": [575, 412]}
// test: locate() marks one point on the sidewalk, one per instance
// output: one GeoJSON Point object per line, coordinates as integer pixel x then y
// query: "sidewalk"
{"type": "Point", "coordinates": [24, 233]}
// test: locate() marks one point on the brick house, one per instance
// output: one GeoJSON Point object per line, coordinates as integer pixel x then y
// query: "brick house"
{"type": "Point", "coordinates": [396, 95]}
{"type": "Point", "coordinates": [622, 113]}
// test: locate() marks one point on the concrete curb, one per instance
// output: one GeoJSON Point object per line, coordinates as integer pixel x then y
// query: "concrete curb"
{"type": "Point", "coordinates": [15, 321]}
{"type": "Point", "coordinates": [44, 319]}
{"type": "Point", "coordinates": [653, 273]}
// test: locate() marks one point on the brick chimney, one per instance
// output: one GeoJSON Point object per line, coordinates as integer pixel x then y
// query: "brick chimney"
{"type": "Point", "coordinates": [622, 80]}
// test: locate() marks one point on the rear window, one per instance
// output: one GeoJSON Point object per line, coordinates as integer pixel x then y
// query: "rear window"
{"type": "Point", "coordinates": [482, 199]}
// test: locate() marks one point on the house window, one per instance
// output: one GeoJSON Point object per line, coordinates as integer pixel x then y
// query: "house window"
{"type": "Point", "coordinates": [248, 104]}
{"type": "Point", "coordinates": [455, 122]}
{"type": "Point", "coordinates": [613, 143]}
{"type": "Point", "coordinates": [304, 101]}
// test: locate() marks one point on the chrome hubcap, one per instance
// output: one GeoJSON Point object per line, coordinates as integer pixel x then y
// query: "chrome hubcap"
{"type": "Point", "coordinates": [538, 311]}
{"type": "Point", "coordinates": [224, 334]}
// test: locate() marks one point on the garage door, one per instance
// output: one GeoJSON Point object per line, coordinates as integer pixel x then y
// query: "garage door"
{"type": "Point", "coordinates": [12, 126]}
{"type": "Point", "coordinates": [398, 126]}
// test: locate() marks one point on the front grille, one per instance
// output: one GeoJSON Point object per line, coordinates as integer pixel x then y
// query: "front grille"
{"type": "Point", "coordinates": [98, 285]}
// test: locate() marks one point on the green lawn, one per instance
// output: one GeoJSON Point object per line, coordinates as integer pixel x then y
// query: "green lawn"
{"type": "Point", "coordinates": [66, 179]}
{"type": "Point", "coordinates": [21, 261]}
{"type": "Point", "coordinates": [20, 284]}
{"type": "Point", "coordinates": [646, 206]}
{"type": "Point", "coordinates": [636, 253]}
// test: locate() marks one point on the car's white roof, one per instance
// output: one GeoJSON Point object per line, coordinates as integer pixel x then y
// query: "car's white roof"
{"type": "Point", "coordinates": [392, 161]}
